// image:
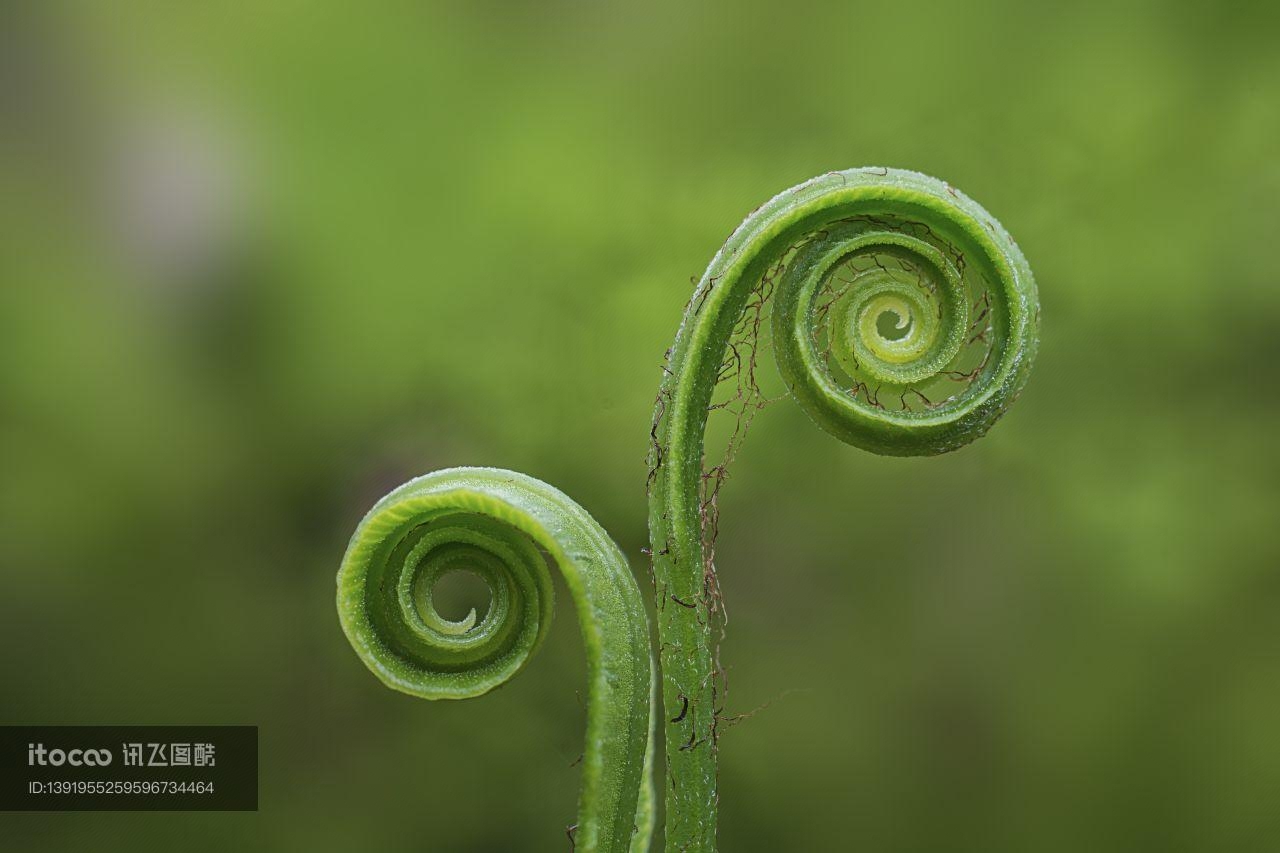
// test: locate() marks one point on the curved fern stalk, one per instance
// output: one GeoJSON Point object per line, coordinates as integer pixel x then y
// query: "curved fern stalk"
{"type": "Point", "coordinates": [904, 321]}
{"type": "Point", "coordinates": [492, 523]}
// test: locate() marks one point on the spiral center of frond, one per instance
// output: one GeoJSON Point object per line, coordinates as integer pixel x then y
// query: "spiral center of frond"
{"type": "Point", "coordinates": [899, 316]}
{"type": "Point", "coordinates": [892, 326]}
{"type": "Point", "coordinates": [459, 596]}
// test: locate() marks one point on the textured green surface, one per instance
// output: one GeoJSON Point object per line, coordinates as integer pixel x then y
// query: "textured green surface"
{"type": "Point", "coordinates": [491, 523]}
{"type": "Point", "coordinates": [879, 240]}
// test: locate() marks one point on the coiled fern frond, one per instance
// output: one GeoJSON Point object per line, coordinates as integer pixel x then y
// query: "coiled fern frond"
{"type": "Point", "coordinates": [496, 525]}
{"type": "Point", "coordinates": [904, 321]}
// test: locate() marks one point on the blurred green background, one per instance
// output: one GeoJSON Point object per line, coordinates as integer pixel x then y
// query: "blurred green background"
{"type": "Point", "coordinates": [264, 260]}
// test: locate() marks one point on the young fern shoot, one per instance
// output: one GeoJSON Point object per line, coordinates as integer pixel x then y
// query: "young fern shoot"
{"type": "Point", "coordinates": [904, 321]}
{"type": "Point", "coordinates": [495, 524]}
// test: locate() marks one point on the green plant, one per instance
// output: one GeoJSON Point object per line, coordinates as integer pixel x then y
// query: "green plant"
{"type": "Point", "coordinates": [904, 321]}
{"type": "Point", "coordinates": [492, 523]}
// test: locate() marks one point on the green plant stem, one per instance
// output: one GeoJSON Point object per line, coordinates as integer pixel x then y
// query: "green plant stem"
{"type": "Point", "coordinates": [492, 523]}
{"type": "Point", "coordinates": [841, 256]}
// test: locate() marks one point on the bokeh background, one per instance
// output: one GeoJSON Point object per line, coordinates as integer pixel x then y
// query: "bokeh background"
{"type": "Point", "coordinates": [264, 260]}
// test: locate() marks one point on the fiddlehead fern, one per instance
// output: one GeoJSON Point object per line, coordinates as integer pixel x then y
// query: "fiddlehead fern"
{"type": "Point", "coordinates": [492, 523]}
{"type": "Point", "coordinates": [904, 321]}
